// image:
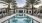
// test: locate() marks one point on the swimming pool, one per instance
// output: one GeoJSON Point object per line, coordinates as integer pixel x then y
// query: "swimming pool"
{"type": "Point", "coordinates": [19, 18]}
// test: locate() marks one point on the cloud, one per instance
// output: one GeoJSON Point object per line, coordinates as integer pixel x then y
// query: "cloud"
{"type": "Point", "coordinates": [21, 3]}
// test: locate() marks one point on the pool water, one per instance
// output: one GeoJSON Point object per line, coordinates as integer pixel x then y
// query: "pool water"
{"type": "Point", "coordinates": [20, 18]}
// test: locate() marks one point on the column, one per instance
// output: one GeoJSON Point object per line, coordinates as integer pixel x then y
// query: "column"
{"type": "Point", "coordinates": [23, 10]}
{"type": "Point", "coordinates": [15, 11]}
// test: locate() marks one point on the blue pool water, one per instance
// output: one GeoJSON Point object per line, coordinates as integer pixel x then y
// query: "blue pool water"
{"type": "Point", "coordinates": [19, 18]}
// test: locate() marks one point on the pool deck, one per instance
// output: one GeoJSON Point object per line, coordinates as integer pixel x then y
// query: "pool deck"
{"type": "Point", "coordinates": [5, 18]}
{"type": "Point", "coordinates": [36, 18]}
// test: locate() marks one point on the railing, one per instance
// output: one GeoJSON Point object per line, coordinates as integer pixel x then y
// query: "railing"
{"type": "Point", "coordinates": [8, 20]}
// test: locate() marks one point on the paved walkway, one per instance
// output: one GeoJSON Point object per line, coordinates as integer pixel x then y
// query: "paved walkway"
{"type": "Point", "coordinates": [5, 18]}
{"type": "Point", "coordinates": [38, 19]}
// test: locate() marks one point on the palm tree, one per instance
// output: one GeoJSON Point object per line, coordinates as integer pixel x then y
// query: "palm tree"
{"type": "Point", "coordinates": [14, 6]}
{"type": "Point", "coordinates": [32, 2]}
{"type": "Point", "coordinates": [27, 4]}
{"type": "Point", "coordinates": [40, 9]}
{"type": "Point", "coordinates": [8, 1]}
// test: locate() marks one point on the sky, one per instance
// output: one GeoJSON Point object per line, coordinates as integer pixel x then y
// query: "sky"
{"type": "Point", "coordinates": [20, 3]}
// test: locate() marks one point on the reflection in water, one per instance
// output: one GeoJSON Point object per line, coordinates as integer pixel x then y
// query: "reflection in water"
{"type": "Point", "coordinates": [20, 19]}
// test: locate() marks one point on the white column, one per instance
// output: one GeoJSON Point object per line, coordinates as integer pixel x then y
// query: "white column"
{"type": "Point", "coordinates": [18, 11]}
{"type": "Point", "coordinates": [15, 11]}
{"type": "Point", "coordinates": [31, 12]}
{"type": "Point", "coordinates": [23, 10]}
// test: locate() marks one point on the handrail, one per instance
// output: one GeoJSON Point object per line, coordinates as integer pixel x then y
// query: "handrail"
{"type": "Point", "coordinates": [12, 17]}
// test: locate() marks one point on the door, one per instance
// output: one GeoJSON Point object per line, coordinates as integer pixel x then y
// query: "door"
{"type": "Point", "coordinates": [20, 11]}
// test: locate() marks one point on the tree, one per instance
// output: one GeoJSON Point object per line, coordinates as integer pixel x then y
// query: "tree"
{"type": "Point", "coordinates": [27, 4]}
{"type": "Point", "coordinates": [14, 5]}
{"type": "Point", "coordinates": [8, 1]}
{"type": "Point", "coordinates": [32, 2]}
{"type": "Point", "coordinates": [40, 9]}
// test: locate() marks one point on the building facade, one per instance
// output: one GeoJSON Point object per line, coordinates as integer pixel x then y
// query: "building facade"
{"type": "Point", "coordinates": [22, 10]}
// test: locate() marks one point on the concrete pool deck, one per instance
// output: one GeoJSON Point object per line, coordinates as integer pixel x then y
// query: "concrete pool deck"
{"type": "Point", "coordinates": [5, 18]}
{"type": "Point", "coordinates": [33, 17]}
